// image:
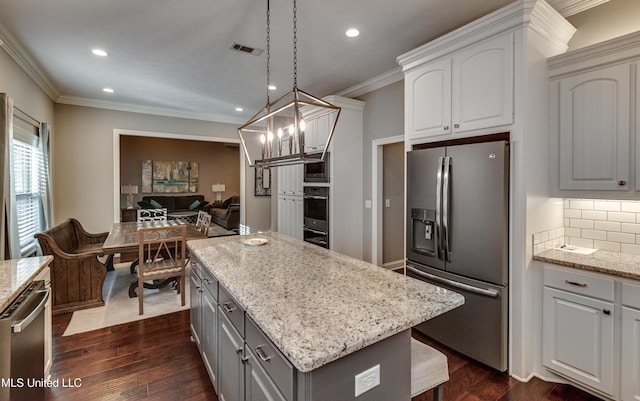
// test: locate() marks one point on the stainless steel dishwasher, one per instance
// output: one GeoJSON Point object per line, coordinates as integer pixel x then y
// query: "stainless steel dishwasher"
{"type": "Point", "coordinates": [22, 345]}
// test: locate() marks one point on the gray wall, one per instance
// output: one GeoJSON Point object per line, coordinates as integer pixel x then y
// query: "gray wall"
{"type": "Point", "coordinates": [83, 173]}
{"type": "Point", "coordinates": [393, 216]}
{"type": "Point", "coordinates": [383, 117]}
{"type": "Point", "coordinates": [606, 21]}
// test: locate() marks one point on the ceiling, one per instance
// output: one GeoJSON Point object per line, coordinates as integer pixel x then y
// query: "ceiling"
{"type": "Point", "coordinates": [175, 58]}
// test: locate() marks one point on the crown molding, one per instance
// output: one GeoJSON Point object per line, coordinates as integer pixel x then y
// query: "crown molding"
{"type": "Point", "coordinates": [570, 7]}
{"type": "Point", "coordinates": [377, 82]}
{"type": "Point", "coordinates": [536, 15]}
{"type": "Point", "coordinates": [132, 108]}
{"type": "Point", "coordinates": [28, 65]}
{"type": "Point", "coordinates": [618, 50]}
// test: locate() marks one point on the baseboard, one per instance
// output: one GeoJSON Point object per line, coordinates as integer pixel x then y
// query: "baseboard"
{"type": "Point", "coordinates": [396, 264]}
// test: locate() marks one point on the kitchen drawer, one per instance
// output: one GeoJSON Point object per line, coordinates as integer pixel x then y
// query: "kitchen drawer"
{"type": "Point", "coordinates": [579, 282]}
{"type": "Point", "coordinates": [270, 358]}
{"type": "Point", "coordinates": [231, 309]}
{"type": "Point", "coordinates": [195, 267]}
{"type": "Point", "coordinates": [631, 294]}
{"type": "Point", "coordinates": [209, 282]}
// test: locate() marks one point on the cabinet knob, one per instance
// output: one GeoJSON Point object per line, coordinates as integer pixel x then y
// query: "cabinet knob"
{"type": "Point", "coordinates": [456, 125]}
{"type": "Point", "coordinates": [606, 311]}
{"type": "Point", "coordinates": [446, 128]}
{"type": "Point", "coordinates": [622, 182]}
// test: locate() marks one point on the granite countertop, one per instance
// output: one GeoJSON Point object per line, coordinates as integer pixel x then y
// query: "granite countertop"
{"type": "Point", "coordinates": [614, 263]}
{"type": "Point", "coordinates": [16, 274]}
{"type": "Point", "coordinates": [317, 305]}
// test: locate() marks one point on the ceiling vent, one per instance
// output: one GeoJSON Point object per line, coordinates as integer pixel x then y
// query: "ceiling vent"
{"type": "Point", "coordinates": [246, 49]}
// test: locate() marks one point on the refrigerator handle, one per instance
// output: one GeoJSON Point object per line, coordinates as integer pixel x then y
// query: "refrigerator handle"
{"type": "Point", "coordinates": [438, 218]}
{"type": "Point", "coordinates": [461, 286]}
{"type": "Point", "coordinates": [445, 209]}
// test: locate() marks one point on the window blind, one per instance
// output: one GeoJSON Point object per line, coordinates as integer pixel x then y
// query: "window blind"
{"type": "Point", "coordinates": [28, 180]}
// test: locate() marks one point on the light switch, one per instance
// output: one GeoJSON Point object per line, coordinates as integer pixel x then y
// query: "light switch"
{"type": "Point", "coordinates": [367, 204]}
{"type": "Point", "coordinates": [387, 203]}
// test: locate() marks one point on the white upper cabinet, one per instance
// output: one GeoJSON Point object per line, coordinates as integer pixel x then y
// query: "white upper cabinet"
{"type": "Point", "coordinates": [428, 100]}
{"type": "Point", "coordinates": [483, 85]}
{"type": "Point", "coordinates": [594, 129]}
{"type": "Point", "coordinates": [471, 90]}
{"type": "Point", "coordinates": [592, 114]}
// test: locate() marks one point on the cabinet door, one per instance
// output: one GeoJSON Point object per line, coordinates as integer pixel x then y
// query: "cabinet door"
{"type": "Point", "coordinates": [195, 313]}
{"type": "Point", "coordinates": [282, 215]}
{"type": "Point", "coordinates": [578, 338]}
{"type": "Point", "coordinates": [230, 366]}
{"type": "Point", "coordinates": [594, 130]}
{"type": "Point", "coordinates": [209, 335]}
{"type": "Point", "coordinates": [258, 385]}
{"type": "Point", "coordinates": [483, 85]}
{"type": "Point", "coordinates": [428, 100]}
{"type": "Point", "coordinates": [630, 372]}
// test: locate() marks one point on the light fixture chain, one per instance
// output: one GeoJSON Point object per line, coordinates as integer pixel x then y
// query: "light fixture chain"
{"type": "Point", "coordinates": [268, 50]}
{"type": "Point", "coordinates": [295, 44]}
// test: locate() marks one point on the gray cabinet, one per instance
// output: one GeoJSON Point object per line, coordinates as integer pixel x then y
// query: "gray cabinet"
{"type": "Point", "coordinates": [203, 316]}
{"type": "Point", "coordinates": [258, 385]}
{"type": "Point", "coordinates": [230, 360]}
{"type": "Point", "coordinates": [195, 291]}
{"type": "Point", "coordinates": [209, 335]}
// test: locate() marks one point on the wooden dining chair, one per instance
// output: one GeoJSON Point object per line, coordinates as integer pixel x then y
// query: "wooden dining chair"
{"type": "Point", "coordinates": [203, 223]}
{"type": "Point", "coordinates": [161, 253]}
{"type": "Point", "coordinates": [152, 214]}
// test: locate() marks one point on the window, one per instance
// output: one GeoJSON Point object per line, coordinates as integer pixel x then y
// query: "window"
{"type": "Point", "coordinates": [28, 184]}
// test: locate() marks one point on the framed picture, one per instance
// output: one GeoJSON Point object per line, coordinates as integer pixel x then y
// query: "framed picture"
{"type": "Point", "coordinates": [263, 181]}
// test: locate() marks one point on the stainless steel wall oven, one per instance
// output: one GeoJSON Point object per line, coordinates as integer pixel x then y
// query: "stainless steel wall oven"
{"type": "Point", "coordinates": [316, 215]}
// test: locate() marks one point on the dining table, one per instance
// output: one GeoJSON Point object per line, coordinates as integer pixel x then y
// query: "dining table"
{"type": "Point", "coordinates": [123, 238]}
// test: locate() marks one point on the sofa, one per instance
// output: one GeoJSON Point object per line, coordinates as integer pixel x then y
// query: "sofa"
{"type": "Point", "coordinates": [175, 203]}
{"type": "Point", "coordinates": [227, 213]}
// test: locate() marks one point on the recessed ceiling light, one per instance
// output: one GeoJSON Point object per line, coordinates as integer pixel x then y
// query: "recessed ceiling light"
{"type": "Point", "coordinates": [352, 33]}
{"type": "Point", "coordinates": [108, 90]}
{"type": "Point", "coordinates": [272, 87]}
{"type": "Point", "coordinates": [99, 52]}
{"type": "Point", "coordinates": [238, 109]}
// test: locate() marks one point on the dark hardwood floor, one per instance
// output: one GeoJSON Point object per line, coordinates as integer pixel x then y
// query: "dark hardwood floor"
{"type": "Point", "coordinates": [154, 359]}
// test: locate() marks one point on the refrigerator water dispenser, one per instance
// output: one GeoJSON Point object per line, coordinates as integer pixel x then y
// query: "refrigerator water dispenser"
{"type": "Point", "coordinates": [424, 231]}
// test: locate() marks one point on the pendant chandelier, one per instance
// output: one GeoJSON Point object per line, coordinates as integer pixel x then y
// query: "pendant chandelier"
{"type": "Point", "coordinates": [275, 136]}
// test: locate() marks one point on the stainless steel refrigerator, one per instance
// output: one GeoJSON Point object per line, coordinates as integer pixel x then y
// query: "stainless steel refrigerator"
{"type": "Point", "coordinates": [458, 238]}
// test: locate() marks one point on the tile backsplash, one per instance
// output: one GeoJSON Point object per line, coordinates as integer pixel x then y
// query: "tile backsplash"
{"type": "Point", "coordinates": [611, 225]}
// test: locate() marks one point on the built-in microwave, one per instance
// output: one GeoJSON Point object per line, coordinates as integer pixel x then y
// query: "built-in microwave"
{"type": "Point", "coordinates": [317, 172]}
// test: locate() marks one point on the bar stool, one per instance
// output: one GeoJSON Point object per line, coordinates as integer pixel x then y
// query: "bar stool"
{"type": "Point", "coordinates": [429, 370]}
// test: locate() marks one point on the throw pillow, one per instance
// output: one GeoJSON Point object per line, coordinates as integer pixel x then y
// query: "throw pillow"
{"type": "Point", "coordinates": [194, 205]}
{"type": "Point", "coordinates": [226, 203]}
{"type": "Point", "coordinates": [202, 204]}
{"type": "Point", "coordinates": [155, 204]}
{"type": "Point", "coordinates": [145, 204]}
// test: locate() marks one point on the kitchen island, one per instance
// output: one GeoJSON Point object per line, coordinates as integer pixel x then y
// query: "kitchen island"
{"type": "Point", "coordinates": [327, 317]}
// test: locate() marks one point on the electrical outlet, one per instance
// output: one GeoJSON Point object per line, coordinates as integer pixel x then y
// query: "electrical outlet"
{"type": "Point", "coordinates": [367, 380]}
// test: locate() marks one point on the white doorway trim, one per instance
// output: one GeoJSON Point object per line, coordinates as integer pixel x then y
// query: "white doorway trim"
{"type": "Point", "coordinates": [117, 133]}
{"type": "Point", "coordinates": [376, 195]}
